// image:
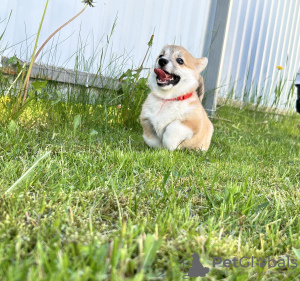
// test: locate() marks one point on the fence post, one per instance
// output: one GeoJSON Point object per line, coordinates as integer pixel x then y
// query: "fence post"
{"type": "Point", "coordinates": [297, 84]}
{"type": "Point", "coordinates": [215, 56]}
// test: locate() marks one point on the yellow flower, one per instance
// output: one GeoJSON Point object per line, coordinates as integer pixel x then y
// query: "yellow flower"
{"type": "Point", "coordinates": [279, 67]}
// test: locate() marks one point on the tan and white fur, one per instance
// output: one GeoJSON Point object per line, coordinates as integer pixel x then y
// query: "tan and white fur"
{"type": "Point", "coordinates": [176, 124]}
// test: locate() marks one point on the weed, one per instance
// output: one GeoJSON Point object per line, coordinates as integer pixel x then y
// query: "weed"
{"type": "Point", "coordinates": [134, 92]}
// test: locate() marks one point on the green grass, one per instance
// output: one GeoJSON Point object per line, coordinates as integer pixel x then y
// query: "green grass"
{"type": "Point", "coordinates": [103, 206]}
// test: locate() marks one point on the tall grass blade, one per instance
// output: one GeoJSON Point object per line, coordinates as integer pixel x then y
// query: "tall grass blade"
{"type": "Point", "coordinates": [27, 173]}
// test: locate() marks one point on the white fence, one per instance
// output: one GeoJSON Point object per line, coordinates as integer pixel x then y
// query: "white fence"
{"type": "Point", "coordinates": [243, 50]}
{"type": "Point", "coordinates": [261, 35]}
{"type": "Point", "coordinates": [136, 20]}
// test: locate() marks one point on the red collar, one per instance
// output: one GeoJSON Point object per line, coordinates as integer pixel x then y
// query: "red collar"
{"type": "Point", "coordinates": [184, 97]}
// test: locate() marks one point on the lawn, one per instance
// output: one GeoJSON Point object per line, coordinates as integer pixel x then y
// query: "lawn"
{"type": "Point", "coordinates": [83, 198]}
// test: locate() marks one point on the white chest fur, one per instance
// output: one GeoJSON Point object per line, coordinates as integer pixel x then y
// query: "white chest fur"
{"type": "Point", "coordinates": [161, 112]}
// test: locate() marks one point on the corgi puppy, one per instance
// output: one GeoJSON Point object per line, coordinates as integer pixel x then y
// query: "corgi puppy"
{"type": "Point", "coordinates": [172, 115]}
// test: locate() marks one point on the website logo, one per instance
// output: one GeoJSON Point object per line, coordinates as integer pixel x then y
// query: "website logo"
{"type": "Point", "coordinates": [246, 262]}
{"type": "Point", "coordinates": [198, 270]}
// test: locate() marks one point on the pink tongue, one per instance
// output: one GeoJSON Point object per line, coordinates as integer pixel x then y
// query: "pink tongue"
{"type": "Point", "coordinates": [161, 74]}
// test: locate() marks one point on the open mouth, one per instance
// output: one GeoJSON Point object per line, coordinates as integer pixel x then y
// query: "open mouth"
{"type": "Point", "coordinates": [164, 78]}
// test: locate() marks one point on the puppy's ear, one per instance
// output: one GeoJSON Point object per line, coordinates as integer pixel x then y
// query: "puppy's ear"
{"type": "Point", "coordinates": [201, 64]}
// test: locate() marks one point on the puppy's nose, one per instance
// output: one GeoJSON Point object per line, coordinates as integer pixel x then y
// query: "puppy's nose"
{"type": "Point", "coordinates": [162, 62]}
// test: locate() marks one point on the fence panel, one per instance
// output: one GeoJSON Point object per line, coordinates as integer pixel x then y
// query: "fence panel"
{"type": "Point", "coordinates": [262, 34]}
{"type": "Point", "coordinates": [83, 41]}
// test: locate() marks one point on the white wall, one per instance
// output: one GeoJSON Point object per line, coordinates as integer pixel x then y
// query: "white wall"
{"type": "Point", "coordinates": [262, 34]}
{"type": "Point", "coordinates": [172, 21]}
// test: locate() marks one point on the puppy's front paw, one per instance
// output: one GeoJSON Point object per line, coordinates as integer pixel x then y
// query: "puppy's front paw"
{"type": "Point", "coordinates": [170, 143]}
{"type": "Point", "coordinates": [152, 142]}
{"type": "Point", "coordinates": [175, 134]}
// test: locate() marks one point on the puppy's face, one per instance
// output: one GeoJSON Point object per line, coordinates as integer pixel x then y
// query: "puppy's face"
{"type": "Point", "coordinates": [176, 71]}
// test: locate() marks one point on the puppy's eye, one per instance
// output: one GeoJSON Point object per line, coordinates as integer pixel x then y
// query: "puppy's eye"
{"type": "Point", "coordinates": [179, 60]}
{"type": "Point", "coordinates": [160, 56]}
